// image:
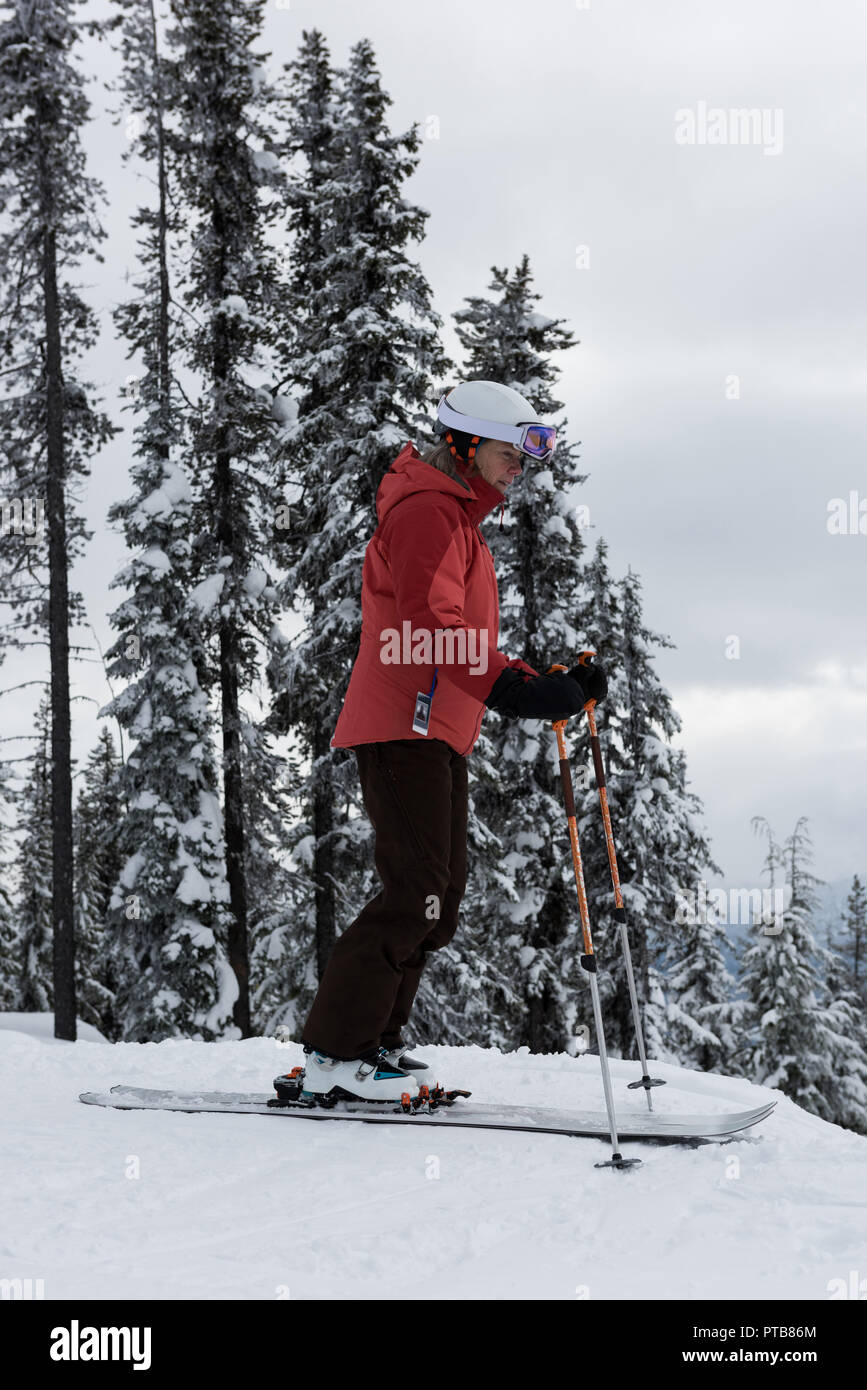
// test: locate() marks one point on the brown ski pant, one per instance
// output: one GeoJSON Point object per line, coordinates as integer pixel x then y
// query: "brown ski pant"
{"type": "Point", "coordinates": [415, 793]}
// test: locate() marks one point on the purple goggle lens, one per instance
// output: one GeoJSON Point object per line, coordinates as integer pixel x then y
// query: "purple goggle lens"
{"type": "Point", "coordinates": [539, 441]}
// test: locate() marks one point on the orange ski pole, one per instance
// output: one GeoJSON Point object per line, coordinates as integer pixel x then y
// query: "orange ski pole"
{"type": "Point", "coordinates": [588, 958]}
{"type": "Point", "coordinates": [646, 1081]}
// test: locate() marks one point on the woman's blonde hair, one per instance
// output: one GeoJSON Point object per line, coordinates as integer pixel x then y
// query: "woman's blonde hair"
{"type": "Point", "coordinates": [440, 455]}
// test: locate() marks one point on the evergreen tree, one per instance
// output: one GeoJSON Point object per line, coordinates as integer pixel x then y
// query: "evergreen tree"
{"type": "Point", "coordinates": [793, 1038]}
{"type": "Point", "coordinates": [285, 964]}
{"type": "Point", "coordinates": [99, 816]}
{"type": "Point", "coordinates": [167, 922]}
{"type": "Point", "coordinates": [703, 1016]}
{"type": "Point", "coordinates": [843, 1015]}
{"type": "Point", "coordinates": [221, 154]}
{"type": "Point", "coordinates": [49, 423]}
{"type": "Point", "coordinates": [273, 881]}
{"type": "Point", "coordinates": [662, 851]}
{"type": "Point", "coordinates": [853, 944]}
{"type": "Point", "coordinates": [32, 877]}
{"type": "Point", "coordinates": [358, 361]}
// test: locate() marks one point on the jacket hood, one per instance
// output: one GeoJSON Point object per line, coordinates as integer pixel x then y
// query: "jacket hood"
{"type": "Point", "coordinates": [409, 473]}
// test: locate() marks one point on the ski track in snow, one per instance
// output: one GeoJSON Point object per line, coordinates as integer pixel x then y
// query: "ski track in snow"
{"type": "Point", "coordinates": [244, 1206]}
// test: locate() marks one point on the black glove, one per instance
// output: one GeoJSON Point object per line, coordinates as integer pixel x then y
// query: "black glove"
{"type": "Point", "coordinates": [592, 680]}
{"type": "Point", "coordinates": [557, 696]}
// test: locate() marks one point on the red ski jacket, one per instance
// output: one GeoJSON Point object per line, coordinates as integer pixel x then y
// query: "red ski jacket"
{"type": "Point", "coordinates": [429, 611]}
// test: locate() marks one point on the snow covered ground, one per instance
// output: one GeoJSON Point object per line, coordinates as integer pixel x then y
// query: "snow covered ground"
{"type": "Point", "coordinates": [107, 1204]}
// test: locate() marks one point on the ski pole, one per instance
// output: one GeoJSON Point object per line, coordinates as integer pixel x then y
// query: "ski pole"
{"type": "Point", "coordinates": [619, 910]}
{"type": "Point", "coordinates": [588, 959]}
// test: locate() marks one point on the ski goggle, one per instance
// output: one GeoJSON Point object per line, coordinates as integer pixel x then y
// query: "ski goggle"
{"type": "Point", "coordinates": [535, 440]}
{"type": "Point", "coordinates": [539, 441]}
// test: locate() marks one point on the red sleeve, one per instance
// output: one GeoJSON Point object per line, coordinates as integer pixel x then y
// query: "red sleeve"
{"type": "Point", "coordinates": [428, 559]}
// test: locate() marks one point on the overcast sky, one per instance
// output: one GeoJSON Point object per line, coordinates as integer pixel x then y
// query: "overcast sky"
{"type": "Point", "coordinates": [719, 389]}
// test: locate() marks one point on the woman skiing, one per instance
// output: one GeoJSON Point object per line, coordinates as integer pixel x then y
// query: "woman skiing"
{"type": "Point", "coordinates": [427, 668]}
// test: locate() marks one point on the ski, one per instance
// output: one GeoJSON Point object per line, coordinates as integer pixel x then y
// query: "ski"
{"type": "Point", "coordinates": [638, 1124]}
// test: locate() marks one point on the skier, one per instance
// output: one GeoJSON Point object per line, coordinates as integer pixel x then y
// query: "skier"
{"type": "Point", "coordinates": [427, 668]}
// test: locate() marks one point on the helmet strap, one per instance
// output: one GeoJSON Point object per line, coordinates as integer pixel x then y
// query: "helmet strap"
{"type": "Point", "coordinates": [464, 464]}
{"type": "Point", "coordinates": [473, 442]}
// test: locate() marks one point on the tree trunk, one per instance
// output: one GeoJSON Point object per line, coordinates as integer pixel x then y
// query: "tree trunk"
{"type": "Point", "coordinates": [323, 854]}
{"type": "Point", "coordinates": [58, 625]}
{"type": "Point", "coordinates": [234, 824]}
{"type": "Point", "coordinates": [233, 785]}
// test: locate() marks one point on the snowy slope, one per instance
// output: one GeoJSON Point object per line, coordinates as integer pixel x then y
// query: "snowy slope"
{"type": "Point", "coordinates": [261, 1208]}
{"type": "Point", "coordinates": [42, 1026]}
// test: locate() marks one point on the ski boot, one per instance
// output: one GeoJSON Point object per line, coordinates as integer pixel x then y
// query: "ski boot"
{"type": "Point", "coordinates": [324, 1080]}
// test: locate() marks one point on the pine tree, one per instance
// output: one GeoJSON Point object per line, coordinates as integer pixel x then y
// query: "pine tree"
{"type": "Point", "coordinates": [99, 816]}
{"type": "Point", "coordinates": [167, 921]}
{"type": "Point", "coordinates": [221, 155]}
{"type": "Point", "coordinates": [359, 362]}
{"type": "Point", "coordinates": [49, 423]}
{"type": "Point", "coordinates": [793, 1037]}
{"type": "Point", "coordinates": [274, 884]}
{"type": "Point", "coordinates": [662, 850]}
{"type": "Point", "coordinates": [843, 1015]}
{"type": "Point", "coordinates": [703, 1016]}
{"type": "Point", "coordinates": [285, 962]}
{"type": "Point", "coordinates": [853, 944]}
{"type": "Point", "coordinates": [32, 869]}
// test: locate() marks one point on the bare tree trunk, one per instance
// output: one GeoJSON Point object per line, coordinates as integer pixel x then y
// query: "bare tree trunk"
{"type": "Point", "coordinates": [58, 625]}
{"type": "Point", "coordinates": [229, 637]}
{"type": "Point", "coordinates": [235, 829]}
{"type": "Point", "coordinates": [233, 785]}
{"type": "Point", "coordinates": [163, 359]}
{"type": "Point", "coordinates": [323, 854]}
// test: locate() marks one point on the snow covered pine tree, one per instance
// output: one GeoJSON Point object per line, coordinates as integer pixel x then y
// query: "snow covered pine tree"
{"type": "Point", "coordinates": [168, 918]}
{"type": "Point", "coordinates": [49, 423]}
{"type": "Point", "coordinates": [359, 368]}
{"type": "Point", "coordinates": [221, 152]}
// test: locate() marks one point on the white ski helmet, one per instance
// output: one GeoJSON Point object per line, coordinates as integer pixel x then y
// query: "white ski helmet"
{"type": "Point", "coordinates": [479, 410]}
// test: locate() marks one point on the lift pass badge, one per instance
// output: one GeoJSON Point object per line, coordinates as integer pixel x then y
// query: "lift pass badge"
{"type": "Point", "coordinates": [421, 718]}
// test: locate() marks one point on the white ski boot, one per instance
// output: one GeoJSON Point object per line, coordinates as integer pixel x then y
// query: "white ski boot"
{"type": "Point", "coordinates": [372, 1078]}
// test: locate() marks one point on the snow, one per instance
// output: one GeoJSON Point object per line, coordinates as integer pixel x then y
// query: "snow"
{"type": "Point", "coordinates": [556, 526]}
{"type": "Point", "coordinates": [284, 409]}
{"type": "Point", "coordinates": [42, 1026]}
{"type": "Point", "coordinates": [111, 1204]}
{"type": "Point", "coordinates": [234, 305]}
{"type": "Point", "coordinates": [193, 887]}
{"type": "Point", "coordinates": [156, 559]}
{"type": "Point", "coordinates": [163, 500]}
{"type": "Point", "coordinates": [130, 871]}
{"type": "Point", "coordinates": [255, 581]}
{"type": "Point", "coordinates": [206, 595]}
